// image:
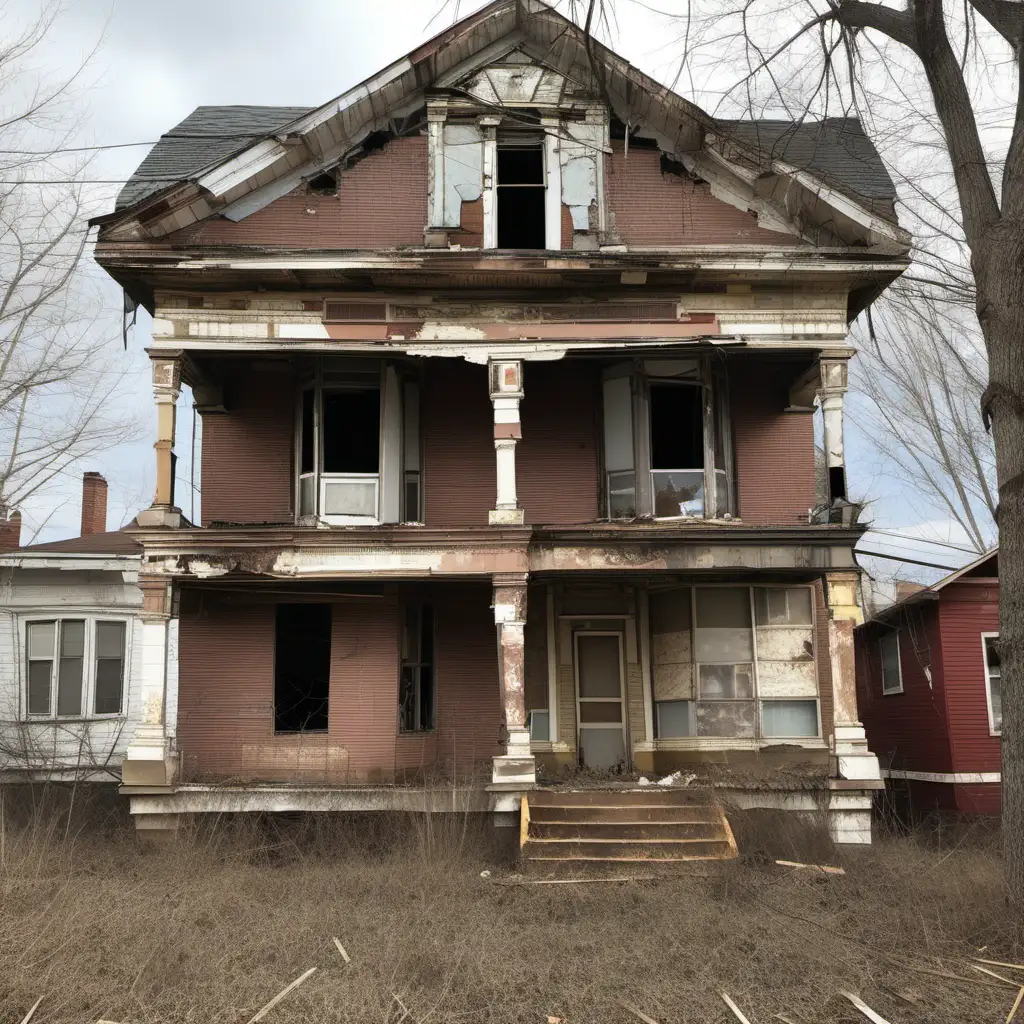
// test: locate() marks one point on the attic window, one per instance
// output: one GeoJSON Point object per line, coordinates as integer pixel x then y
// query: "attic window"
{"type": "Point", "coordinates": [325, 184]}
{"type": "Point", "coordinates": [521, 188]}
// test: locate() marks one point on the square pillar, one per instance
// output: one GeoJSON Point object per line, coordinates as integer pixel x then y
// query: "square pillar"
{"type": "Point", "coordinates": [150, 760]}
{"type": "Point", "coordinates": [166, 389]}
{"type": "Point", "coordinates": [506, 384]}
{"type": "Point", "coordinates": [831, 393]}
{"type": "Point", "coordinates": [516, 767]}
{"type": "Point", "coordinates": [851, 759]}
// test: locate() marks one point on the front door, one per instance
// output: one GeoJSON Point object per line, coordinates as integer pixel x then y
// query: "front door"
{"type": "Point", "coordinates": [600, 701]}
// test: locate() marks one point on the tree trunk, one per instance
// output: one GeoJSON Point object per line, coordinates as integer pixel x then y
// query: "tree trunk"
{"type": "Point", "coordinates": [999, 270]}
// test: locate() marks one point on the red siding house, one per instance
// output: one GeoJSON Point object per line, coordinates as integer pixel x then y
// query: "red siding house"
{"type": "Point", "coordinates": [928, 690]}
{"type": "Point", "coordinates": [507, 372]}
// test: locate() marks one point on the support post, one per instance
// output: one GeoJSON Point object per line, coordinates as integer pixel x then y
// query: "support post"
{"type": "Point", "coordinates": [506, 384]}
{"type": "Point", "coordinates": [834, 383]}
{"type": "Point", "coordinates": [166, 389]}
{"type": "Point", "coordinates": [516, 767]}
{"type": "Point", "coordinates": [150, 760]}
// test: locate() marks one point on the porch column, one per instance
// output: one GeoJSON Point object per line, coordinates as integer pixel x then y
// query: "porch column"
{"type": "Point", "coordinates": [851, 758]}
{"type": "Point", "coordinates": [834, 383]}
{"type": "Point", "coordinates": [506, 383]}
{"type": "Point", "coordinates": [516, 766]}
{"type": "Point", "coordinates": [150, 760]}
{"type": "Point", "coordinates": [166, 389]}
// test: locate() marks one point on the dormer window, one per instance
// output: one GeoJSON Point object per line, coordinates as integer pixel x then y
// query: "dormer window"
{"type": "Point", "coordinates": [521, 190]}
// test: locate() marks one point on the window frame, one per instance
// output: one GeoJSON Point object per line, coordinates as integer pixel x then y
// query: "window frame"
{"type": "Point", "coordinates": [417, 665]}
{"type": "Point", "coordinates": [992, 730]}
{"type": "Point", "coordinates": [89, 658]}
{"type": "Point", "coordinates": [895, 634]}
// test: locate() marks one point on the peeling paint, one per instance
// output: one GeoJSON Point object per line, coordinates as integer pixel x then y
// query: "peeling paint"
{"type": "Point", "coordinates": [463, 170]}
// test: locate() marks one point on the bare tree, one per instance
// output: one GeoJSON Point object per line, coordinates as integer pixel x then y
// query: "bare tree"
{"type": "Point", "coordinates": [59, 377]}
{"type": "Point", "coordinates": [932, 62]}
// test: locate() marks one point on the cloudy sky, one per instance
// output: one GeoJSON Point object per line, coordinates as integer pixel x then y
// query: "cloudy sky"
{"type": "Point", "coordinates": [155, 62]}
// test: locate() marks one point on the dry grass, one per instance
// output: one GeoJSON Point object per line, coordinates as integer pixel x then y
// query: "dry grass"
{"type": "Point", "coordinates": [209, 928]}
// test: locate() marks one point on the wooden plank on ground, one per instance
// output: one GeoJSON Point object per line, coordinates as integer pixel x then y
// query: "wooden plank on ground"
{"type": "Point", "coordinates": [35, 1006]}
{"type": "Point", "coordinates": [637, 1013]}
{"type": "Point", "coordinates": [341, 950]}
{"type": "Point", "coordinates": [992, 974]}
{"type": "Point", "coordinates": [866, 1011]}
{"type": "Point", "coordinates": [1016, 1005]}
{"type": "Point", "coordinates": [280, 995]}
{"type": "Point", "coordinates": [737, 1012]}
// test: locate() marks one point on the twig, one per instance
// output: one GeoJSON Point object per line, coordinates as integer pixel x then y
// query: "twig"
{"type": "Point", "coordinates": [579, 881]}
{"type": "Point", "coordinates": [405, 1009]}
{"type": "Point", "coordinates": [814, 867]}
{"type": "Point", "coordinates": [992, 974]}
{"type": "Point", "coordinates": [280, 995]}
{"type": "Point", "coordinates": [999, 963]}
{"type": "Point", "coordinates": [1016, 1004]}
{"type": "Point", "coordinates": [785, 1020]}
{"type": "Point", "coordinates": [737, 1012]}
{"type": "Point", "coordinates": [866, 1010]}
{"type": "Point", "coordinates": [637, 1013]}
{"type": "Point", "coordinates": [35, 1006]}
{"type": "Point", "coordinates": [341, 950]}
{"type": "Point", "coordinates": [943, 974]}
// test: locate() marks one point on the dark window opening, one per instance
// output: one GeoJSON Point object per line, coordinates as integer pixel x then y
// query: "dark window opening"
{"type": "Point", "coordinates": [416, 686]}
{"type": "Point", "coordinates": [308, 400]}
{"type": "Point", "coordinates": [837, 482]}
{"type": "Point", "coordinates": [677, 427]}
{"type": "Point", "coordinates": [302, 667]}
{"type": "Point", "coordinates": [325, 184]}
{"type": "Point", "coordinates": [521, 215]}
{"type": "Point", "coordinates": [351, 431]}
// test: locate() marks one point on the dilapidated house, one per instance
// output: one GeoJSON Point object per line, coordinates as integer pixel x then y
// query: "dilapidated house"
{"type": "Point", "coordinates": [507, 361]}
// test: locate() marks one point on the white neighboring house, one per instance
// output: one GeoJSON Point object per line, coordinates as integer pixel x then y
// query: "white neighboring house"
{"type": "Point", "coordinates": [70, 649]}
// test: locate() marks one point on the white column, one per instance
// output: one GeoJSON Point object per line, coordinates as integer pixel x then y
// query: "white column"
{"type": "Point", "coordinates": [490, 128]}
{"type": "Point", "coordinates": [506, 383]}
{"type": "Point", "coordinates": [516, 767]}
{"type": "Point", "coordinates": [834, 383]}
{"type": "Point", "coordinates": [166, 388]}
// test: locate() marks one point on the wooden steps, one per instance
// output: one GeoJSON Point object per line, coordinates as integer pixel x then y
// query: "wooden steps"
{"type": "Point", "coordinates": [616, 826]}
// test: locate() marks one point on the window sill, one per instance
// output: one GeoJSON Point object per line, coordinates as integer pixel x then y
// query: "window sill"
{"type": "Point", "coordinates": [71, 719]}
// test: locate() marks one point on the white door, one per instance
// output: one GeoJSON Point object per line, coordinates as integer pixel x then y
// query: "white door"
{"type": "Point", "coordinates": [600, 700]}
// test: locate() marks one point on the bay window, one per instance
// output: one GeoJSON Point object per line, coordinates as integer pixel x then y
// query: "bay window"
{"type": "Point", "coordinates": [734, 663]}
{"type": "Point", "coordinates": [358, 445]}
{"type": "Point", "coordinates": [74, 667]}
{"type": "Point", "coordinates": [667, 440]}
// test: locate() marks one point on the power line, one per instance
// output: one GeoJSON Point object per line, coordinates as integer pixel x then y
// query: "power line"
{"type": "Point", "coordinates": [923, 540]}
{"type": "Point", "coordinates": [128, 145]}
{"type": "Point", "coordinates": [909, 561]}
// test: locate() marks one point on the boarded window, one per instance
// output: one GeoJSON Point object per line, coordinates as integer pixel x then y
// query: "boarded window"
{"type": "Point", "coordinates": [892, 678]}
{"type": "Point", "coordinates": [302, 667]}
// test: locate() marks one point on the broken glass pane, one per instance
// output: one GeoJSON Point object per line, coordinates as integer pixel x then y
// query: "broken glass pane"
{"type": "Point", "coordinates": [678, 493]}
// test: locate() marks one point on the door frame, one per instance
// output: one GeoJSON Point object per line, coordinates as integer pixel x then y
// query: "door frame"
{"type": "Point", "coordinates": [580, 725]}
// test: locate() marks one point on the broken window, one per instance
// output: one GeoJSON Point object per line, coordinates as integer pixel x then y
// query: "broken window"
{"type": "Point", "coordinates": [75, 667]}
{"type": "Point", "coordinates": [325, 184]}
{"type": "Point", "coordinates": [358, 445]}
{"type": "Point", "coordinates": [521, 191]}
{"type": "Point", "coordinates": [993, 676]}
{"type": "Point", "coordinates": [302, 667]}
{"type": "Point", "coordinates": [718, 671]}
{"type": "Point", "coordinates": [892, 675]}
{"type": "Point", "coordinates": [416, 686]}
{"type": "Point", "coordinates": [667, 440]}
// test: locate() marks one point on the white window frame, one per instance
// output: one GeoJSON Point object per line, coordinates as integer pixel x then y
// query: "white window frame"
{"type": "Point", "coordinates": [992, 730]}
{"type": "Point", "coordinates": [890, 692]}
{"type": "Point", "coordinates": [88, 667]}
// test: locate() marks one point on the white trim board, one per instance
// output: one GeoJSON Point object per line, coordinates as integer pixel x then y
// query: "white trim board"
{"type": "Point", "coordinates": [949, 778]}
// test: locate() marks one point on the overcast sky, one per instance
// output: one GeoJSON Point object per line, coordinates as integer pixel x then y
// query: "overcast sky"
{"type": "Point", "coordinates": [157, 61]}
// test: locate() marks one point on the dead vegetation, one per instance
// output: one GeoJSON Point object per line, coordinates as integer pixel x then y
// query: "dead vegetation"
{"type": "Point", "coordinates": [212, 927]}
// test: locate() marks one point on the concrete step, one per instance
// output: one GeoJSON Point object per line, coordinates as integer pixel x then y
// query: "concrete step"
{"type": "Point", "coordinates": [624, 813]}
{"type": "Point", "coordinates": [651, 796]}
{"type": "Point", "coordinates": [618, 850]}
{"type": "Point", "coordinates": [625, 831]}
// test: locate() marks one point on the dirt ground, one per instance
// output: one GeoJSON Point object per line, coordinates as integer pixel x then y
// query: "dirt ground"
{"type": "Point", "coordinates": [208, 929]}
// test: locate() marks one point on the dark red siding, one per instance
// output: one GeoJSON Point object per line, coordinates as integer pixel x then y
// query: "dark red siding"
{"type": "Point", "coordinates": [774, 449]}
{"type": "Point", "coordinates": [248, 452]}
{"type": "Point", "coordinates": [381, 203]}
{"type": "Point", "coordinates": [652, 208]}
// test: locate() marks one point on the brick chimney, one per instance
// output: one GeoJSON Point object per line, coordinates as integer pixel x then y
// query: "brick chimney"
{"type": "Point", "coordinates": [94, 504]}
{"type": "Point", "coordinates": [10, 530]}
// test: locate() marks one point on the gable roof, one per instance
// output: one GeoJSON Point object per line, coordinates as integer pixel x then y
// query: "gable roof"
{"type": "Point", "coordinates": [206, 136]}
{"type": "Point", "coordinates": [116, 542]}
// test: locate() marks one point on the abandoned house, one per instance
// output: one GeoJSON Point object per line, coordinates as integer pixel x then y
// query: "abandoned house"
{"type": "Point", "coordinates": [507, 361]}
{"type": "Point", "coordinates": [70, 649]}
{"type": "Point", "coordinates": [928, 681]}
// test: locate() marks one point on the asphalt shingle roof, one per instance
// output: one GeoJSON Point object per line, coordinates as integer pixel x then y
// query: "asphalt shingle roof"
{"type": "Point", "coordinates": [207, 135]}
{"type": "Point", "coordinates": [116, 542]}
{"type": "Point", "coordinates": [836, 149]}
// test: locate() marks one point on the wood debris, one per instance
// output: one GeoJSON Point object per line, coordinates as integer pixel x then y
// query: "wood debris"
{"type": "Point", "coordinates": [1016, 1005]}
{"type": "Point", "coordinates": [637, 1013]}
{"type": "Point", "coordinates": [827, 868]}
{"type": "Point", "coordinates": [1000, 963]}
{"type": "Point", "coordinates": [35, 1006]}
{"type": "Point", "coordinates": [737, 1012]}
{"type": "Point", "coordinates": [944, 974]}
{"type": "Point", "coordinates": [280, 995]}
{"type": "Point", "coordinates": [992, 974]}
{"type": "Point", "coordinates": [875, 1018]}
{"type": "Point", "coordinates": [341, 950]}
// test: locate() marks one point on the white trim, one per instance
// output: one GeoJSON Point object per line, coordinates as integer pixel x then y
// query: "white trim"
{"type": "Point", "coordinates": [644, 613]}
{"type": "Point", "coordinates": [552, 653]}
{"type": "Point", "coordinates": [899, 663]}
{"type": "Point", "coordinates": [56, 560]}
{"type": "Point", "coordinates": [992, 730]}
{"type": "Point", "coordinates": [553, 182]}
{"type": "Point", "coordinates": [949, 778]}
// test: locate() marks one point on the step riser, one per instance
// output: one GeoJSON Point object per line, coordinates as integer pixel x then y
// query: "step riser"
{"type": "Point", "coordinates": [690, 815]}
{"type": "Point", "coordinates": [638, 852]}
{"type": "Point", "coordinates": [651, 797]}
{"type": "Point", "coordinates": [604, 830]}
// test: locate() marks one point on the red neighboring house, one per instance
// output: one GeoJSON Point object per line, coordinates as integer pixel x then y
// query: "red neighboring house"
{"type": "Point", "coordinates": [928, 690]}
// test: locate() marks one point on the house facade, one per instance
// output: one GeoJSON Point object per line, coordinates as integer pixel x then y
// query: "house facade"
{"type": "Point", "coordinates": [507, 361]}
{"type": "Point", "coordinates": [928, 681]}
{"type": "Point", "coordinates": [70, 650]}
